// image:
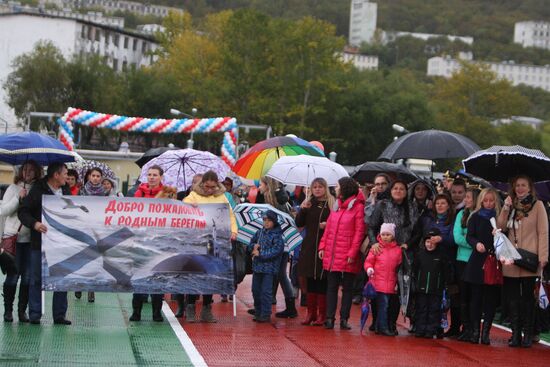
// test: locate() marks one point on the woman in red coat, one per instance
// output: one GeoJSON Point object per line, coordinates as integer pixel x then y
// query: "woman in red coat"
{"type": "Point", "coordinates": [339, 249]}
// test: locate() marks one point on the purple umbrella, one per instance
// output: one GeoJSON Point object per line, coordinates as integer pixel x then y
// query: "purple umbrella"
{"type": "Point", "coordinates": [181, 165]}
{"type": "Point", "coordinates": [369, 293]}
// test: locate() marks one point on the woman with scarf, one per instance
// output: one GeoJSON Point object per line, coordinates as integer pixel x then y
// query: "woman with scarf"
{"type": "Point", "coordinates": [395, 210]}
{"type": "Point", "coordinates": [483, 297]}
{"type": "Point", "coordinates": [526, 221]}
{"type": "Point", "coordinates": [313, 215]}
{"type": "Point", "coordinates": [92, 187]}
{"type": "Point", "coordinates": [150, 189]}
{"type": "Point", "coordinates": [25, 178]}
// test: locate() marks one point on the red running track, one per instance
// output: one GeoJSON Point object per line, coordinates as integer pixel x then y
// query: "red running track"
{"type": "Point", "coordinates": [241, 342]}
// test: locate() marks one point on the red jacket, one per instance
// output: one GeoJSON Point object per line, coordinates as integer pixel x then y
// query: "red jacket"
{"type": "Point", "coordinates": [343, 235]}
{"type": "Point", "coordinates": [385, 266]}
{"type": "Point", "coordinates": [144, 191]}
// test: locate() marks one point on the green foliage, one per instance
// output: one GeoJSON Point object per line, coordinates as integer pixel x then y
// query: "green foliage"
{"type": "Point", "coordinates": [39, 81]}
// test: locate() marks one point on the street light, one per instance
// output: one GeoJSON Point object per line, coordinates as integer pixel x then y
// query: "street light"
{"type": "Point", "coordinates": [400, 129]}
{"type": "Point", "coordinates": [173, 111]}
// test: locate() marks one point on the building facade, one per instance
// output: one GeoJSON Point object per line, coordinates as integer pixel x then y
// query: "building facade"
{"type": "Point", "coordinates": [114, 5]}
{"type": "Point", "coordinates": [362, 23]}
{"type": "Point", "coordinates": [531, 75]}
{"type": "Point", "coordinates": [532, 34]}
{"type": "Point", "coordinates": [361, 62]}
{"type": "Point", "coordinates": [19, 33]}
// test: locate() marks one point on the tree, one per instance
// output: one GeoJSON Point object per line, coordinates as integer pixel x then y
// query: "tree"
{"type": "Point", "coordinates": [467, 102]}
{"type": "Point", "coordinates": [39, 81]}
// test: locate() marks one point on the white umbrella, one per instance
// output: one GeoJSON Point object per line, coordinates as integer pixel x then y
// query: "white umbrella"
{"type": "Point", "coordinates": [302, 169]}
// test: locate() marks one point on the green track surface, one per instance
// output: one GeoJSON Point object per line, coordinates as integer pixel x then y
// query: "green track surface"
{"type": "Point", "coordinates": [100, 335]}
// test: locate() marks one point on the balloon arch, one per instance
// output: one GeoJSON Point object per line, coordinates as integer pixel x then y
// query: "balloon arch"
{"type": "Point", "coordinates": [227, 125]}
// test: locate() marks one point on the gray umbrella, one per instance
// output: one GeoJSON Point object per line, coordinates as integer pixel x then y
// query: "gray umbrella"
{"type": "Point", "coordinates": [368, 170]}
{"type": "Point", "coordinates": [430, 144]}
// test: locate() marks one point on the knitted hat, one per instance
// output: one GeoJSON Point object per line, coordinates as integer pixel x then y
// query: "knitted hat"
{"type": "Point", "coordinates": [388, 228]}
{"type": "Point", "coordinates": [272, 216]}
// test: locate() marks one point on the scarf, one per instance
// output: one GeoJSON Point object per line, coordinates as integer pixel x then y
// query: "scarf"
{"type": "Point", "coordinates": [523, 207]}
{"type": "Point", "coordinates": [487, 213]}
{"type": "Point", "coordinates": [90, 189]}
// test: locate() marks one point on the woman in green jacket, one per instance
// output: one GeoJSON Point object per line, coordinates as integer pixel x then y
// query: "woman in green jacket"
{"type": "Point", "coordinates": [462, 256]}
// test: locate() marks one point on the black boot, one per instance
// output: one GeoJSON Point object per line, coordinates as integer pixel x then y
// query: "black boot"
{"type": "Point", "coordinates": [180, 298]}
{"type": "Point", "coordinates": [528, 312]}
{"type": "Point", "coordinates": [23, 302]}
{"type": "Point", "coordinates": [475, 334]}
{"type": "Point", "coordinates": [513, 313]}
{"type": "Point", "coordinates": [137, 305]}
{"type": "Point", "coordinates": [344, 325]}
{"type": "Point", "coordinates": [329, 323]}
{"type": "Point", "coordinates": [157, 307]}
{"type": "Point", "coordinates": [290, 311]}
{"type": "Point", "coordinates": [9, 296]}
{"type": "Point", "coordinates": [466, 333]}
{"type": "Point", "coordinates": [486, 329]}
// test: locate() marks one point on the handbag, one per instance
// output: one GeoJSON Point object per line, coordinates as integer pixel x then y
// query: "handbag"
{"type": "Point", "coordinates": [529, 261]}
{"type": "Point", "coordinates": [7, 253]}
{"type": "Point", "coordinates": [492, 272]}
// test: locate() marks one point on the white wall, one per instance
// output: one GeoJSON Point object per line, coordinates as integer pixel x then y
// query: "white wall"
{"type": "Point", "coordinates": [18, 35]}
{"type": "Point", "coordinates": [362, 23]}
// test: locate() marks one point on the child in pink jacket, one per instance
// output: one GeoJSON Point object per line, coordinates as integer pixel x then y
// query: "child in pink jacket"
{"type": "Point", "coordinates": [382, 269]}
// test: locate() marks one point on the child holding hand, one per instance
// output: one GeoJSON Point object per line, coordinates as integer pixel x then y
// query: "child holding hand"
{"type": "Point", "coordinates": [382, 269]}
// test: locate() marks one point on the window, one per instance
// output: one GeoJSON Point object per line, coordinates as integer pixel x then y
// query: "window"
{"type": "Point", "coordinates": [97, 34]}
{"type": "Point", "coordinates": [144, 47]}
{"type": "Point", "coordinates": [126, 40]}
{"type": "Point", "coordinates": [135, 44]}
{"type": "Point", "coordinates": [115, 41]}
{"type": "Point", "coordinates": [115, 64]}
{"type": "Point", "coordinates": [107, 36]}
{"type": "Point", "coordinates": [124, 65]}
{"type": "Point", "coordinates": [83, 33]}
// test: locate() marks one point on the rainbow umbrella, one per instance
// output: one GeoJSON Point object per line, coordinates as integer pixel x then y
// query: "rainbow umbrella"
{"type": "Point", "coordinates": [256, 161]}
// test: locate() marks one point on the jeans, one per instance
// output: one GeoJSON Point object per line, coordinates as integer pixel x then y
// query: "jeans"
{"type": "Point", "coordinates": [262, 285]}
{"type": "Point", "coordinates": [59, 304]}
{"type": "Point", "coordinates": [334, 280]}
{"type": "Point", "coordinates": [382, 303]}
{"type": "Point", "coordinates": [283, 279]}
{"type": "Point", "coordinates": [23, 262]}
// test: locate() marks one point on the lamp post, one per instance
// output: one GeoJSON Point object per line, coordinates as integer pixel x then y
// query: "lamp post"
{"type": "Point", "coordinates": [173, 111]}
{"type": "Point", "coordinates": [400, 129]}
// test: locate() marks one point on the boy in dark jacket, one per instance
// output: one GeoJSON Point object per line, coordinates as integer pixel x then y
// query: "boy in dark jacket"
{"type": "Point", "coordinates": [267, 249]}
{"type": "Point", "coordinates": [431, 271]}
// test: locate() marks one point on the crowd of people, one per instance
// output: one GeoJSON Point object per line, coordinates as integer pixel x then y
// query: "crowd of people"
{"type": "Point", "coordinates": [352, 234]}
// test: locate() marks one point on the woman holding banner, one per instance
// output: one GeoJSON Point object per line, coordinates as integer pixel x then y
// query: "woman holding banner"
{"type": "Point", "coordinates": [148, 190]}
{"type": "Point", "coordinates": [208, 191]}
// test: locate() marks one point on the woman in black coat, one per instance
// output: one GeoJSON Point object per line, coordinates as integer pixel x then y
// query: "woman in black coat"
{"type": "Point", "coordinates": [483, 297]}
{"type": "Point", "coordinates": [313, 216]}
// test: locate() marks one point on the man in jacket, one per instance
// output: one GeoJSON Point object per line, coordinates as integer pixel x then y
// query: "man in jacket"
{"type": "Point", "coordinates": [30, 214]}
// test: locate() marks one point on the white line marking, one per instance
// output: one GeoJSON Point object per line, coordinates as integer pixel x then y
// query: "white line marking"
{"type": "Point", "coordinates": [182, 336]}
{"type": "Point", "coordinates": [510, 330]}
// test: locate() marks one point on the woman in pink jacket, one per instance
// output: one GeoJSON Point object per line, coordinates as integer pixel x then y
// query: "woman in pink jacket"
{"type": "Point", "coordinates": [339, 249]}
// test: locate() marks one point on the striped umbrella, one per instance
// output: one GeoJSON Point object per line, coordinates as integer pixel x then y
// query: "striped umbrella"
{"type": "Point", "coordinates": [257, 160]}
{"type": "Point", "coordinates": [249, 218]}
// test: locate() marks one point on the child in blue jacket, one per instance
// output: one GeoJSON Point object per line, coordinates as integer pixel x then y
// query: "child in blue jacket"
{"type": "Point", "coordinates": [267, 250]}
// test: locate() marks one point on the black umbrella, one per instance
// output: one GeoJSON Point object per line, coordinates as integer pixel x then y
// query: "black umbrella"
{"type": "Point", "coordinates": [153, 153]}
{"type": "Point", "coordinates": [500, 163]}
{"type": "Point", "coordinates": [430, 144]}
{"type": "Point", "coordinates": [368, 170]}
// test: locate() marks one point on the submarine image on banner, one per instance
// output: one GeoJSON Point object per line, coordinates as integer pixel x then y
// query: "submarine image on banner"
{"type": "Point", "coordinates": [209, 263]}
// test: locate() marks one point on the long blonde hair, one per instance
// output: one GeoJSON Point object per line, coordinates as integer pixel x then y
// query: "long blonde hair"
{"type": "Point", "coordinates": [481, 197]}
{"type": "Point", "coordinates": [328, 197]}
{"type": "Point", "coordinates": [269, 195]}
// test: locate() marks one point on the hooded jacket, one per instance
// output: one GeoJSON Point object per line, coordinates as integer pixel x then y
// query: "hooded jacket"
{"type": "Point", "coordinates": [431, 271]}
{"type": "Point", "coordinates": [199, 196]}
{"type": "Point", "coordinates": [385, 266]}
{"type": "Point", "coordinates": [143, 191]}
{"type": "Point", "coordinates": [271, 250]}
{"type": "Point", "coordinates": [344, 233]}
{"type": "Point", "coordinates": [421, 208]}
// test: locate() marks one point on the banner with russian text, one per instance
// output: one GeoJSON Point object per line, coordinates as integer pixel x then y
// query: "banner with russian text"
{"type": "Point", "coordinates": [108, 244]}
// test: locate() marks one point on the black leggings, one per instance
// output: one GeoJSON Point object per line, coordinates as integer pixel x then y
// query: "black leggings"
{"type": "Point", "coordinates": [483, 298]}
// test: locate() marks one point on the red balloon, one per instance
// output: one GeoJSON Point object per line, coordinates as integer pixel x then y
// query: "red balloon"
{"type": "Point", "coordinates": [318, 144]}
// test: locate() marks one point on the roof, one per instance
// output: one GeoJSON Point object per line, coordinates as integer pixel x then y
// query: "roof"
{"type": "Point", "coordinates": [103, 26]}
